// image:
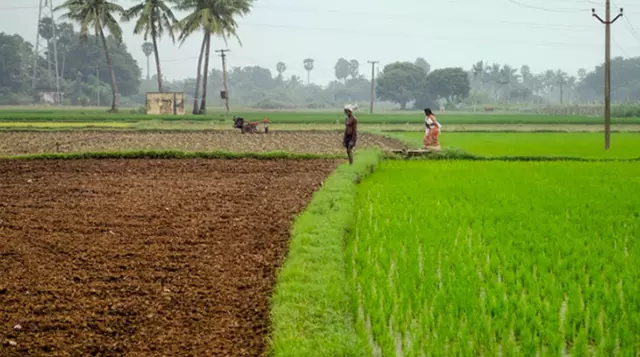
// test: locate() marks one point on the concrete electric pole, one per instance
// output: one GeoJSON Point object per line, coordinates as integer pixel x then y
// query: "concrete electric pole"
{"type": "Point", "coordinates": [224, 74]}
{"type": "Point", "coordinates": [373, 65]}
{"type": "Point", "coordinates": [607, 70]}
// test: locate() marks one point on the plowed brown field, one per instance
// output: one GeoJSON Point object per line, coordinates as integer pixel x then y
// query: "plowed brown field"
{"type": "Point", "coordinates": [144, 257]}
{"type": "Point", "coordinates": [17, 143]}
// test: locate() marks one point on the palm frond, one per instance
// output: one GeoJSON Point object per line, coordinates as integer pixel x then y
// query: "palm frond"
{"type": "Point", "coordinates": [133, 12]}
{"type": "Point", "coordinates": [114, 28]}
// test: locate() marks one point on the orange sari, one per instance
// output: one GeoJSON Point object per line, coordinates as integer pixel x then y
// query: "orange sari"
{"type": "Point", "coordinates": [432, 137]}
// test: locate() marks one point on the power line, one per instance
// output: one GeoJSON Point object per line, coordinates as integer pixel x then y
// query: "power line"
{"type": "Point", "coordinates": [620, 48]}
{"type": "Point", "coordinates": [447, 37]}
{"type": "Point", "coordinates": [633, 31]}
{"type": "Point", "coordinates": [544, 8]}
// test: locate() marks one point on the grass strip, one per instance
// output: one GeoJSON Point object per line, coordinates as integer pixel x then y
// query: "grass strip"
{"type": "Point", "coordinates": [173, 154]}
{"type": "Point", "coordinates": [459, 154]}
{"type": "Point", "coordinates": [311, 311]}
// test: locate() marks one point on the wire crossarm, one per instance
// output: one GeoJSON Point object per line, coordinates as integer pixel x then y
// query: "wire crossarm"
{"type": "Point", "coordinates": [593, 11]}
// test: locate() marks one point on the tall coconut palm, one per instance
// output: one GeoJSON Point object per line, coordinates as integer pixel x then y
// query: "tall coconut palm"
{"type": "Point", "coordinates": [45, 29]}
{"type": "Point", "coordinates": [281, 67]}
{"type": "Point", "coordinates": [97, 15]}
{"type": "Point", "coordinates": [154, 18]}
{"type": "Point", "coordinates": [309, 64]}
{"type": "Point", "coordinates": [212, 17]}
{"type": "Point", "coordinates": [147, 49]}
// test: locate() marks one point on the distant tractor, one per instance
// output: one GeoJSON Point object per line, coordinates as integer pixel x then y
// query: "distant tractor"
{"type": "Point", "coordinates": [250, 127]}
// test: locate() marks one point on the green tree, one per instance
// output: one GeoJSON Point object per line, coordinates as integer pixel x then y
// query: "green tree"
{"type": "Point", "coordinates": [86, 57]}
{"type": "Point", "coordinates": [401, 82]}
{"type": "Point", "coordinates": [527, 76]}
{"type": "Point", "coordinates": [154, 17]}
{"type": "Point", "coordinates": [12, 68]}
{"type": "Point", "coordinates": [309, 64]}
{"type": "Point", "coordinates": [625, 85]}
{"type": "Point", "coordinates": [422, 63]}
{"type": "Point", "coordinates": [451, 84]}
{"type": "Point", "coordinates": [98, 15]}
{"type": "Point", "coordinates": [582, 73]}
{"type": "Point", "coordinates": [342, 69]}
{"type": "Point", "coordinates": [509, 80]}
{"type": "Point", "coordinates": [45, 30]}
{"type": "Point", "coordinates": [281, 67]}
{"type": "Point", "coordinates": [212, 17]}
{"type": "Point", "coordinates": [147, 49]}
{"type": "Point", "coordinates": [66, 38]}
{"type": "Point", "coordinates": [354, 68]}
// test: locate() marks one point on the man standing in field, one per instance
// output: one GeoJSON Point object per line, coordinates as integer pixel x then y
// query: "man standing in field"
{"type": "Point", "coordinates": [350, 132]}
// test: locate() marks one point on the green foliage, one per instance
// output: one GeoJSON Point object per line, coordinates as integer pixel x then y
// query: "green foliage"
{"type": "Point", "coordinates": [14, 61]}
{"type": "Point", "coordinates": [301, 117]}
{"type": "Point", "coordinates": [476, 257]}
{"type": "Point", "coordinates": [212, 18]}
{"type": "Point", "coordinates": [422, 63]}
{"type": "Point", "coordinates": [153, 18]}
{"type": "Point", "coordinates": [82, 58]}
{"type": "Point", "coordinates": [310, 307]}
{"type": "Point", "coordinates": [97, 15]}
{"type": "Point", "coordinates": [401, 82]}
{"type": "Point", "coordinates": [342, 69]}
{"type": "Point", "coordinates": [625, 84]}
{"type": "Point", "coordinates": [451, 84]}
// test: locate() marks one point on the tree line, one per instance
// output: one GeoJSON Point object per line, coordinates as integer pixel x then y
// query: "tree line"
{"type": "Point", "coordinates": [94, 62]}
{"type": "Point", "coordinates": [100, 20]}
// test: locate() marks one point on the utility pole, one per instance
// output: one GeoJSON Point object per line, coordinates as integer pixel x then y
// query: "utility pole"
{"type": "Point", "coordinates": [224, 74]}
{"type": "Point", "coordinates": [97, 85]}
{"type": "Point", "coordinates": [561, 81]}
{"type": "Point", "coordinates": [373, 65]}
{"type": "Point", "coordinates": [607, 70]}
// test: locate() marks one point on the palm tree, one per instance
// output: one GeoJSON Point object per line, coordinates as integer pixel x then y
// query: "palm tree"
{"type": "Point", "coordinates": [561, 78]}
{"type": "Point", "coordinates": [97, 14]}
{"type": "Point", "coordinates": [45, 29]}
{"type": "Point", "coordinates": [212, 17]}
{"type": "Point", "coordinates": [508, 77]}
{"type": "Point", "coordinates": [354, 67]}
{"type": "Point", "coordinates": [478, 71]}
{"type": "Point", "coordinates": [281, 67]}
{"type": "Point", "coordinates": [309, 64]}
{"type": "Point", "coordinates": [147, 49]}
{"type": "Point", "coordinates": [66, 39]}
{"type": "Point", "coordinates": [154, 18]}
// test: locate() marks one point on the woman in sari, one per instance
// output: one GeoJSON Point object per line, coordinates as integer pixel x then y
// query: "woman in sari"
{"type": "Point", "coordinates": [432, 129]}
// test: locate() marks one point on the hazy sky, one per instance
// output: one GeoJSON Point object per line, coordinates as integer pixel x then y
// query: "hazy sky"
{"type": "Point", "coordinates": [545, 34]}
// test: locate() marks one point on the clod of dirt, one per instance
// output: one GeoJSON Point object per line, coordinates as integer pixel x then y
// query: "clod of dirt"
{"type": "Point", "coordinates": [11, 343]}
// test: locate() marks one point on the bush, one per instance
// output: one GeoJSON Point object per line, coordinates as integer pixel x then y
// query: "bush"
{"type": "Point", "coordinates": [15, 99]}
{"type": "Point", "coordinates": [269, 104]}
